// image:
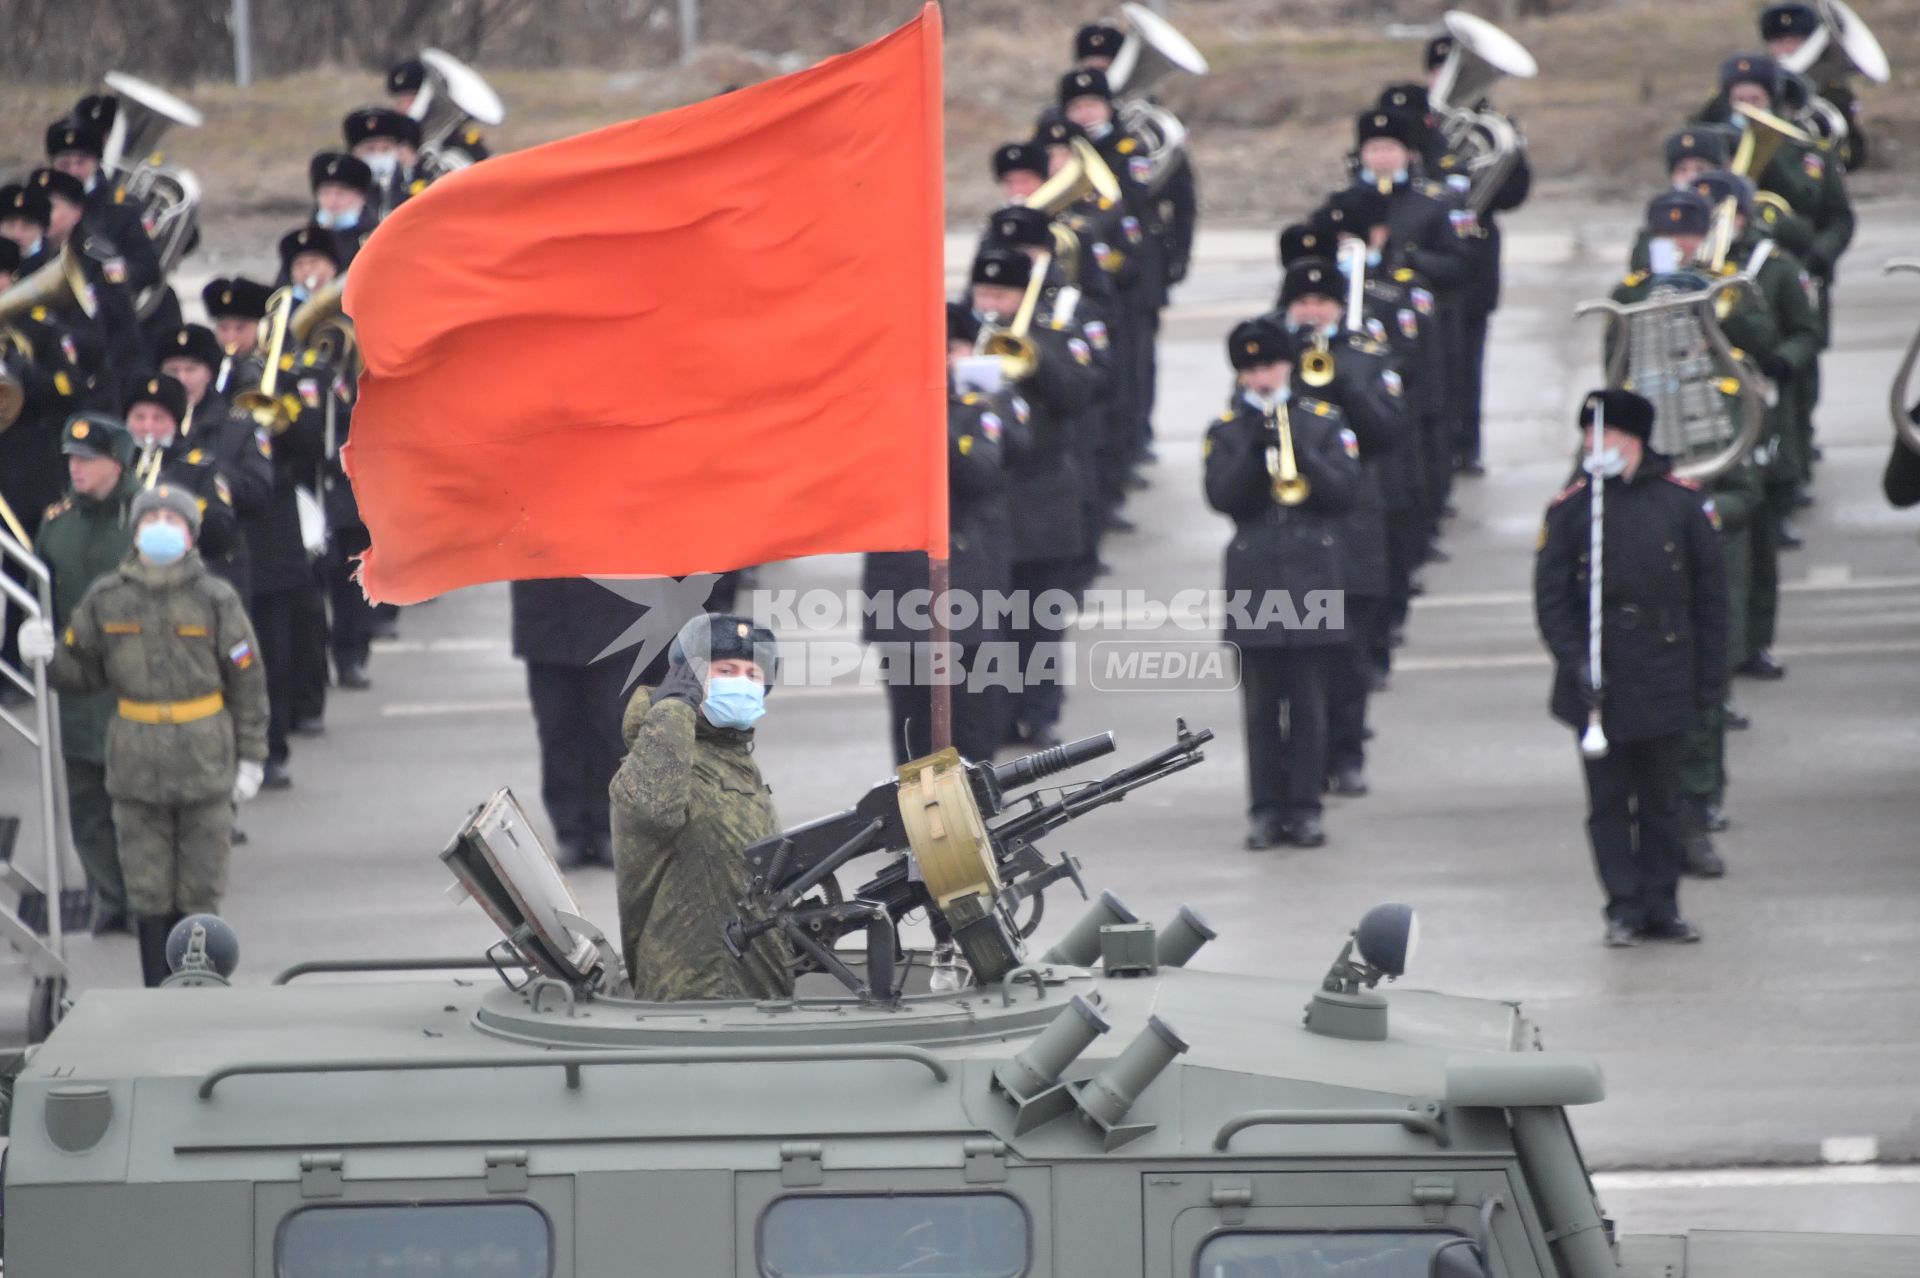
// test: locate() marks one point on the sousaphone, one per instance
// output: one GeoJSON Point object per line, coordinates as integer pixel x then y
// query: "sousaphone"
{"type": "Point", "coordinates": [1843, 46]}
{"type": "Point", "coordinates": [452, 95]}
{"type": "Point", "coordinates": [1486, 142]}
{"type": "Point", "coordinates": [1152, 51]}
{"type": "Point", "coordinates": [168, 197]}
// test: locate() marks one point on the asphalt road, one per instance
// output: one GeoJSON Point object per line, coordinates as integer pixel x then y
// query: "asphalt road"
{"type": "Point", "coordinates": [1795, 1025]}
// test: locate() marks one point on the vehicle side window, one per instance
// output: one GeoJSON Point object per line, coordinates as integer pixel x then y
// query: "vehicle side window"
{"type": "Point", "coordinates": [415, 1240]}
{"type": "Point", "coordinates": [1382, 1254]}
{"type": "Point", "coordinates": [962, 1235]}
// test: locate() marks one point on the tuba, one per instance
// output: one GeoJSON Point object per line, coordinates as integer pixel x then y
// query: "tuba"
{"type": "Point", "coordinates": [453, 95]}
{"type": "Point", "coordinates": [1904, 425]}
{"type": "Point", "coordinates": [168, 198]}
{"type": "Point", "coordinates": [1487, 142]}
{"type": "Point", "coordinates": [1708, 409]}
{"type": "Point", "coordinates": [1152, 51]}
{"type": "Point", "coordinates": [1843, 46]}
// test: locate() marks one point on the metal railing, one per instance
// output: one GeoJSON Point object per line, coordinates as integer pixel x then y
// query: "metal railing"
{"type": "Point", "coordinates": [40, 728]}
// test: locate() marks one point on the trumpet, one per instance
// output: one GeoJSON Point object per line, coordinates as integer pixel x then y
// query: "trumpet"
{"type": "Point", "coordinates": [1316, 363]}
{"type": "Point", "coordinates": [1289, 486]}
{"type": "Point", "coordinates": [1018, 356]}
{"type": "Point", "coordinates": [263, 402]}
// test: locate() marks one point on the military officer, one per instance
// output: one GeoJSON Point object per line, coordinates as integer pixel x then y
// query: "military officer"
{"type": "Point", "coordinates": [155, 408]}
{"type": "Point", "coordinates": [312, 258]}
{"type": "Point", "coordinates": [387, 142]}
{"type": "Point", "coordinates": [75, 148]}
{"type": "Point", "coordinates": [1663, 655]}
{"type": "Point", "coordinates": [1784, 28]}
{"type": "Point", "coordinates": [1284, 573]}
{"type": "Point", "coordinates": [342, 191]}
{"type": "Point", "coordinates": [981, 431]}
{"type": "Point", "coordinates": [1693, 151]}
{"type": "Point", "coordinates": [108, 272]}
{"type": "Point", "coordinates": [82, 538]}
{"type": "Point", "coordinates": [404, 82]}
{"type": "Point", "coordinates": [1099, 432]}
{"type": "Point", "coordinates": [240, 448]}
{"type": "Point", "coordinates": [1356, 379]}
{"type": "Point", "coordinates": [171, 643]}
{"type": "Point", "coordinates": [1049, 536]}
{"type": "Point", "coordinates": [1086, 103]}
{"type": "Point", "coordinates": [32, 475]}
{"type": "Point", "coordinates": [686, 800]}
{"type": "Point", "coordinates": [235, 308]}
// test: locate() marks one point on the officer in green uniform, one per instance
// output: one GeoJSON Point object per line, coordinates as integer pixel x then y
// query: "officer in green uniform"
{"type": "Point", "coordinates": [1786, 292]}
{"type": "Point", "coordinates": [687, 800]}
{"type": "Point", "coordinates": [83, 537]}
{"type": "Point", "coordinates": [188, 739]}
{"type": "Point", "coordinates": [1803, 201]}
{"type": "Point", "coordinates": [1785, 28]}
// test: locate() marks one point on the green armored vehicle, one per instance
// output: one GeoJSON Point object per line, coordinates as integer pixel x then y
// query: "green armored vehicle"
{"type": "Point", "coordinates": [1106, 1109]}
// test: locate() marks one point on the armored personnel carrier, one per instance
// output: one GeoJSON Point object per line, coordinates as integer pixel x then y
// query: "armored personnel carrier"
{"type": "Point", "coordinates": [1105, 1109]}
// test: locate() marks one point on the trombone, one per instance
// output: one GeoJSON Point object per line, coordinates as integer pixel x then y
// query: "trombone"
{"type": "Point", "coordinates": [263, 403]}
{"type": "Point", "coordinates": [1018, 356]}
{"type": "Point", "coordinates": [1288, 485]}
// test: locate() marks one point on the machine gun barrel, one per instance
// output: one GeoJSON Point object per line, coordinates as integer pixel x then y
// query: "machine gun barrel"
{"type": "Point", "coordinates": [1037, 820]}
{"type": "Point", "coordinates": [1044, 763]}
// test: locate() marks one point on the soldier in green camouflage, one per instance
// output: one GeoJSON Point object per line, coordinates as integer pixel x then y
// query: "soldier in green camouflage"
{"type": "Point", "coordinates": [686, 802]}
{"type": "Point", "coordinates": [189, 736]}
{"type": "Point", "coordinates": [83, 537]}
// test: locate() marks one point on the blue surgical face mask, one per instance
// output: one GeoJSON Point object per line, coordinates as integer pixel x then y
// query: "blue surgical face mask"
{"type": "Point", "coordinates": [1331, 330]}
{"type": "Point", "coordinates": [337, 221]}
{"type": "Point", "coordinates": [161, 541]}
{"type": "Point", "coordinates": [1610, 462]}
{"type": "Point", "coordinates": [1098, 132]}
{"type": "Point", "coordinates": [734, 701]}
{"type": "Point", "coordinates": [1373, 257]}
{"type": "Point", "coordinates": [1373, 179]}
{"type": "Point", "coordinates": [33, 248]}
{"type": "Point", "coordinates": [384, 165]}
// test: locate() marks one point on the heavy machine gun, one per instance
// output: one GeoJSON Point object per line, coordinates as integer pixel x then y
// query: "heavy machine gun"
{"type": "Point", "coordinates": [963, 850]}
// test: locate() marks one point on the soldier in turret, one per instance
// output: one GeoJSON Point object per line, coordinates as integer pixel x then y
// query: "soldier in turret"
{"type": "Point", "coordinates": [686, 802]}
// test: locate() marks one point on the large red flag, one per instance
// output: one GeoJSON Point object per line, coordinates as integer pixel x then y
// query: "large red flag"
{"type": "Point", "coordinates": [688, 343]}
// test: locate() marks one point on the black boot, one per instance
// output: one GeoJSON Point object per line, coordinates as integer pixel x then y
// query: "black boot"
{"type": "Point", "coordinates": [152, 931]}
{"type": "Point", "coordinates": [1702, 861]}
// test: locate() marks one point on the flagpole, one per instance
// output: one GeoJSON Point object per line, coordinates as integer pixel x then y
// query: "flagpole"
{"type": "Point", "coordinates": [938, 579]}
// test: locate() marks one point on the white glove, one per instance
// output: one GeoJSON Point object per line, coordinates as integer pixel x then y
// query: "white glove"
{"type": "Point", "coordinates": [36, 642]}
{"type": "Point", "coordinates": [247, 779]}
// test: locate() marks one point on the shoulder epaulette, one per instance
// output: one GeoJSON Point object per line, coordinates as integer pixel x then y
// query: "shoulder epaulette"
{"type": "Point", "coordinates": [60, 507]}
{"type": "Point", "coordinates": [120, 195]}
{"type": "Point", "coordinates": [471, 136]}
{"type": "Point", "coordinates": [419, 185]}
{"type": "Point", "coordinates": [1318, 407]}
{"type": "Point", "coordinates": [1681, 480]}
{"type": "Point", "coordinates": [1127, 146]}
{"type": "Point", "coordinates": [1226, 417]}
{"type": "Point", "coordinates": [1634, 279]}
{"type": "Point", "coordinates": [1404, 274]}
{"type": "Point", "coordinates": [972, 397]}
{"type": "Point", "coordinates": [1105, 203]}
{"type": "Point", "coordinates": [1365, 345]}
{"type": "Point", "coordinates": [1432, 189]}
{"type": "Point", "coordinates": [195, 457]}
{"type": "Point", "coordinates": [1568, 491]}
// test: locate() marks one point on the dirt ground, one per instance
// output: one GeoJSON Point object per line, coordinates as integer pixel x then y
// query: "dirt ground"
{"type": "Point", "coordinates": [1270, 124]}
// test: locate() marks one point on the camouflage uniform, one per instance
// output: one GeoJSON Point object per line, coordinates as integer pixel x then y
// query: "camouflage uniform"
{"type": "Point", "coordinates": [169, 640]}
{"type": "Point", "coordinates": [686, 800]}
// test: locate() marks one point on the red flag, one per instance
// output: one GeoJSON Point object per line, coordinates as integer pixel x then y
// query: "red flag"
{"type": "Point", "coordinates": [689, 343]}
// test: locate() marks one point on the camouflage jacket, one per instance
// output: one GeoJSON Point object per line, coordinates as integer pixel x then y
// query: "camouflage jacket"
{"type": "Point", "coordinates": [686, 801]}
{"type": "Point", "coordinates": [82, 540]}
{"type": "Point", "coordinates": [169, 634]}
